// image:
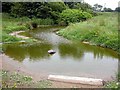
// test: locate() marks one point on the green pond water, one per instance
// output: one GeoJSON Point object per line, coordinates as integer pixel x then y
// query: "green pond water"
{"type": "Point", "coordinates": [71, 58]}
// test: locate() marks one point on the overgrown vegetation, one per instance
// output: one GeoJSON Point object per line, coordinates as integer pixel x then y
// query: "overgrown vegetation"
{"type": "Point", "coordinates": [9, 25]}
{"type": "Point", "coordinates": [48, 12]}
{"type": "Point", "coordinates": [101, 30]}
{"type": "Point", "coordinates": [73, 16]}
{"type": "Point", "coordinates": [114, 84]}
{"type": "Point", "coordinates": [16, 80]}
{"type": "Point", "coordinates": [46, 21]}
{"type": "Point", "coordinates": [29, 15]}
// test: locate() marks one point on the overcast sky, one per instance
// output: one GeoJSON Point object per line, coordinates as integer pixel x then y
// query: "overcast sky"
{"type": "Point", "coordinates": [109, 3]}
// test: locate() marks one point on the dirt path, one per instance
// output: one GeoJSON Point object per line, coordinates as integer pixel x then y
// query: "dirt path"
{"type": "Point", "coordinates": [11, 65]}
{"type": "Point", "coordinates": [16, 33]}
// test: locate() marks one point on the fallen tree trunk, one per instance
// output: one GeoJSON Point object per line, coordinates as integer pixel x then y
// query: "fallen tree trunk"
{"type": "Point", "coordinates": [80, 80]}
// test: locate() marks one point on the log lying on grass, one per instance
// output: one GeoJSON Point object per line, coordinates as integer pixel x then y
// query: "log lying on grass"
{"type": "Point", "coordinates": [80, 80]}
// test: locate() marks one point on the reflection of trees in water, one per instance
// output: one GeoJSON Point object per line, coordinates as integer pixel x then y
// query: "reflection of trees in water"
{"type": "Point", "coordinates": [98, 52]}
{"type": "Point", "coordinates": [15, 52]}
{"type": "Point", "coordinates": [77, 50]}
{"type": "Point", "coordinates": [68, 50]}
{"type": "Point", "coordinates": [39, 51]}
{"type": "Point", "coordinates": [20, 52]}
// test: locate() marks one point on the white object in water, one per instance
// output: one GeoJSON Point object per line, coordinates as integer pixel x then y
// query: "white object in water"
{"type": "Point", "coordinates": [51, 51]}
{"type": "Point", "coordinates": [80, 80]}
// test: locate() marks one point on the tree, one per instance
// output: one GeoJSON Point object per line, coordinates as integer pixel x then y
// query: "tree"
{"type": "Point", "coordinates": [0, 6]}
{"type": "Point", "coordinates": [38, 9]}
{"type": "Point", "coordinates": [6, 6]}
{"type": "Point", "coordinates": [117, 9]}
{"type": "Point", "coordinates": [100, 7]}
{"type": "Point", "coordinates": [79, 5]}
{"type": "Point", "coordinates": [107, 10]}
{"type": "Point", "coordinates": [97, 7]}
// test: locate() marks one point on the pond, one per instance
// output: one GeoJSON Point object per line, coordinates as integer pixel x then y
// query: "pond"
{"type": "Point", "coordinates": [71, 58]}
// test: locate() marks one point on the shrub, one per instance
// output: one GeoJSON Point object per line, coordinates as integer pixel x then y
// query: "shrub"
{"type": "Point", "coordinates": [86, 15]}
{"type": "Point", "coordinates": [70, 15]}
{"type": "Point", "coordinates": [73, 15]}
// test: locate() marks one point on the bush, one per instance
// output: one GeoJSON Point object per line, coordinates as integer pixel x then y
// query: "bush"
{"type": "Point", "coordinates": [86, 15]}
{"type": "Point", "coordinates": [73, 15]}
{"type": "Point", "coordinates": [70, 15]}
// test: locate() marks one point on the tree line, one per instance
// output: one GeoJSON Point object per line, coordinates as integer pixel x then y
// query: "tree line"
{"type": "Point", "coordinates": [50, 10]}
{"type": "Point", "coordinates": [100, 8]}
{"type": "Point", "coordinates": [59, 12]}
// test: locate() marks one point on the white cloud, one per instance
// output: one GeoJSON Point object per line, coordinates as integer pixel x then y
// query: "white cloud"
{"type": "Point", "coordinates": [109, 3]}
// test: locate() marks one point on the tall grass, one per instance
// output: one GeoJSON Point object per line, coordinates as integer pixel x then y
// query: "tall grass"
{"type": "Point", "coordinates": [10, 24]}
{"type": "Point", "coordinates": [46, 21]}
{"type": "Point", "coordinates": [101, 30]}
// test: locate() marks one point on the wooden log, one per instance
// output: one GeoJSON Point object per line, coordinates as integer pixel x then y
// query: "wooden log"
{"type": "Point", "coordinates": [80, 80]}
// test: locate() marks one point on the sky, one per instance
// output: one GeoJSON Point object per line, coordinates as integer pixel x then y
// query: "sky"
{"type": "Point", "coordinates": [109, 3]}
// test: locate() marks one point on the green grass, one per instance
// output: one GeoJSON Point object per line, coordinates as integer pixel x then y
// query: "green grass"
{"type": "Point", "coordinates": [46, 21]}
{"type": "Point", "coordinates": [112, 84]}
{"type": "Point", "coordinates": [11, 24]}
{"type": "Point", "coordinates": [101, 30]}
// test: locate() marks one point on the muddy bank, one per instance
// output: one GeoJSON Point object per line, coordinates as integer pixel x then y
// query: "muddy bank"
{"type": "Point", "coordinates": [15, 66]}
{"type": "Point", "coordinates": [9, 64]}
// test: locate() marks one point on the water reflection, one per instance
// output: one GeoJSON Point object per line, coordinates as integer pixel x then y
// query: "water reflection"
{"type": "Point", "coordinates": [39, 51]}
{"type": "Point", "coordinates": [34, 52]}
{"type": "Point", "coordinates": [50, 40]}
{"type": "Point", "coordinates": [71, 58]}
{"type": "Point", "coordinates": [70, 50]}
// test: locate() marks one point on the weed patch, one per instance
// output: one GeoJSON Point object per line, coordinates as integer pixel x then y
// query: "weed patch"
{"type": "Point", "coordinates": [101, 30]}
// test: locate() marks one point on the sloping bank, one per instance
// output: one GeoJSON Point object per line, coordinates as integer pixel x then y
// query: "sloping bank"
{"type": "Point", "coordinates": [101, 30]}
{"type": "Point", "coordinates": [11, 25]}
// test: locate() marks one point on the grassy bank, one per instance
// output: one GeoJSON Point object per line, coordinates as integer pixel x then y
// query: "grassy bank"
{"type": "Point", "coordinates": [11, 24]}
{"type": "Point", "coordinates": [17, 80]}
{"type": "Point", "coordinates": [101, 30]}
